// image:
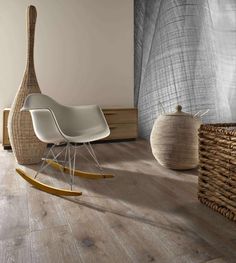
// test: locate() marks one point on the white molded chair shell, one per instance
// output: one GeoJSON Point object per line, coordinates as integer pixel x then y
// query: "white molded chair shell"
{"type": "Point", "coordinates": [56, 123]}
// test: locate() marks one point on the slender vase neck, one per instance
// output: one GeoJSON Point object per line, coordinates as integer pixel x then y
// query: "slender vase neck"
{"type": "Point", "coordinates": [31, 20]}
{"type": "Point", "coordinates": [30, 55]}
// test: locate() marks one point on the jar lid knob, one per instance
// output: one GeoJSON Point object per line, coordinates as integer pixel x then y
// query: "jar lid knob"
{"type": "Point", "coordinates": [178, 108]}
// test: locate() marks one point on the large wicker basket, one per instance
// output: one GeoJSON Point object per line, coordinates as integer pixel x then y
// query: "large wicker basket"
{"type": "Point", "coordinates": [217, 179]}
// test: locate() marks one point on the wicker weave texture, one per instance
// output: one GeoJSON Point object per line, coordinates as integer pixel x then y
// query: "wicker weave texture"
{"type": "Point", "coordinates": [26, 146]}
{"type": "Point", "coordinates": [217, 178]}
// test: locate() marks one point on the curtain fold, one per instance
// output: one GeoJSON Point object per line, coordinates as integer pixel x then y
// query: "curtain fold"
{"type": "Point", "coordinates": [185, 53]}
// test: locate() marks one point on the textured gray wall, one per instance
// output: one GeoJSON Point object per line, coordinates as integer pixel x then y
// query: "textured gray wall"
{"type": "Point", "coordinates": [185, 53]}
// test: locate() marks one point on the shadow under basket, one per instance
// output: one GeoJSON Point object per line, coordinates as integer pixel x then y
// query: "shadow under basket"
{"type": "Point", "coordinates": [217, 178]}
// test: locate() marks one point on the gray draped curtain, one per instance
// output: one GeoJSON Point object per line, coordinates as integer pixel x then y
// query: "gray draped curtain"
{"type": "Point", "coordinates": [185, 53]}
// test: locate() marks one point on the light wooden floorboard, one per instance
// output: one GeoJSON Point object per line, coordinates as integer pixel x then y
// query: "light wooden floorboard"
{"type": "Point", "coordinates": [54, 245]}
{"type": "Point", "coordinates": [145, 214]}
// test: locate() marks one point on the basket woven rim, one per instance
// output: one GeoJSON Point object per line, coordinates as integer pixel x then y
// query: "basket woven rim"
{"type": "Point", "coordinates": [219, 128]}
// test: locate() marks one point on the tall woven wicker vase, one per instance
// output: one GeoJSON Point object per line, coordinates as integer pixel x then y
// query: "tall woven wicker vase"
{"type": "Point", "coordinates": [26, 146]}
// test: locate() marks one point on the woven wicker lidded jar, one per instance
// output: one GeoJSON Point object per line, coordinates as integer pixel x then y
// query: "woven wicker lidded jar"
{"type": "Point", "coordinates": [174, 140]}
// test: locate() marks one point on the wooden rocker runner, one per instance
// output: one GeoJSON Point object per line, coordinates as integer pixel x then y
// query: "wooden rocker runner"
{"type": "Point", "coordinates": [58, 124]}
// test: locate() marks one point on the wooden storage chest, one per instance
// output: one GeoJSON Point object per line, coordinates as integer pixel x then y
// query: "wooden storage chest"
{"type": "Point", "coordinates": [5, 137]}
{"type": "Point", "coordinates": [123, 123]}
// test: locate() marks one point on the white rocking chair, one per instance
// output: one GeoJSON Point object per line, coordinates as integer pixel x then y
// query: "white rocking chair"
{"type": "Point", "coordinates": [57, 124]}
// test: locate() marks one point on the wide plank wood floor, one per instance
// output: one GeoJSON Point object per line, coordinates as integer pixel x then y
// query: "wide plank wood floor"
{"type": "Point", "coordinates": [145, 214]}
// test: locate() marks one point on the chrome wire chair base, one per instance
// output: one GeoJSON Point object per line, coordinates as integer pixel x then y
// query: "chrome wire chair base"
{"type": "Point", "coordinates": [65, 165]}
